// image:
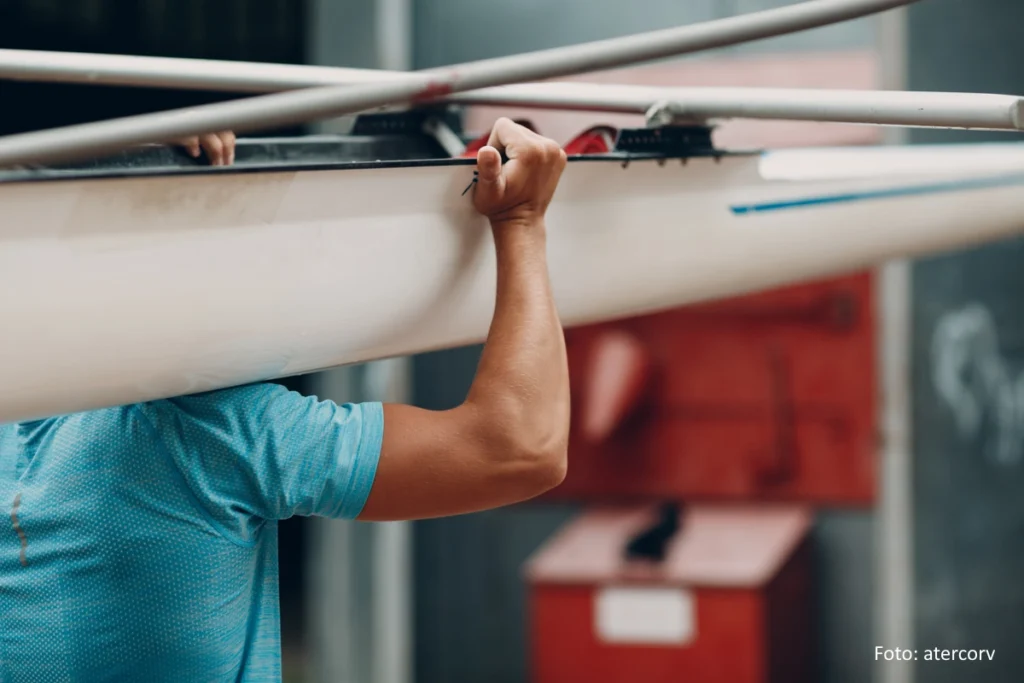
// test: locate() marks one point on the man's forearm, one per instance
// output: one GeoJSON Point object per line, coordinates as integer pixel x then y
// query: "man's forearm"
{"type": "Point", "coordinates": [507, 441]}
{"type": "Point", "coordinates": [522, 377]}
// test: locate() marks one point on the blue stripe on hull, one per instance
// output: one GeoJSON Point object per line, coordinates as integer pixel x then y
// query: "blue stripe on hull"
{"type": "Point", "coordinates": [935, 188]}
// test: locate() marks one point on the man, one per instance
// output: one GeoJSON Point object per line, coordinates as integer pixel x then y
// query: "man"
{"type": "Point", "coordinates": [142, 543]}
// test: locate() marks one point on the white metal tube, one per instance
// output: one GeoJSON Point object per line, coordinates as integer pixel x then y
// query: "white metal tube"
{"type": "Point", "coordinates": [956, 110]}
{"type": "Point", "coordinates": [258, 77]}
{"type": "Point", "coordinates": [174, 72]}
{"type": "Point", "coordinates": [932, 109]}
{"type": "Point", "coordinates": [952, 110]}
{"type": "Point", "coordinates": [75, 143]}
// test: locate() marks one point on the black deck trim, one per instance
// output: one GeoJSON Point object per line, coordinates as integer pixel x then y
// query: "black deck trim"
{"type": "Point", "coordinates": [275, 155]}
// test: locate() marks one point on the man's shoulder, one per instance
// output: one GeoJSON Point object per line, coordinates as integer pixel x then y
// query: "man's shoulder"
{"type": "Point", "coordinates": [147, 419]}
{"type": "Point", "coordinates": [111, 424]}
{"type": "Point", "coordinates": [7, 433]}
{"type": "Point", "coordinates": [230, 417]}
{"type": "Point", "coordinates": [87, 440]}
{"type": "Point", "coordinates": [244, 403]}
{"type": "Point", "coordinates": [229, 396]}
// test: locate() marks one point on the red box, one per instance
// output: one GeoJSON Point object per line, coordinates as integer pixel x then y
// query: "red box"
{"type": "Point", "coordinates": [730, 603]}
{"type": "Point", "coordinates": [767, 397]}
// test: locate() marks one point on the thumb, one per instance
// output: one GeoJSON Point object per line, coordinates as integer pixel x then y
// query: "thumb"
{"type": "Point", "coordinates": [489, 177]}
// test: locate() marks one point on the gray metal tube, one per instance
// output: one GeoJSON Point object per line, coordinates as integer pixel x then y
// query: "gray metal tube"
{"type": "Point", "coordinates": [880, 107]}
{"type": "Point", "coordinates": [75, 143]}
{"type": "Point", "coordinates": [947, 110]}
{"type": "Point", "coordinates": [173, 72]}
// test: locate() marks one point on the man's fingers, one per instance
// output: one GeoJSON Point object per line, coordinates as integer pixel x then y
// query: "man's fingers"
{"type": "Point", "coordinates": [219, 147]}
{"type": "Point", "coordinates": [227, 139]}
{"type": "Point", "coordinates": [214, 149]}
{"type": "Point", "coordinates": [191, 146]}
{"type": "Point", "coordinates": [507, 136]}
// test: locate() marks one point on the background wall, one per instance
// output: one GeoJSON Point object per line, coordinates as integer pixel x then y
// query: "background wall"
{"type": "Point", "coordinates": [469, 597]}
{"type": "Point", "coordinates": [255, 30]}
{"type": "Point", "coordinates": [449, 31]}
{"type": "Point", "coordinates": [968, 323]}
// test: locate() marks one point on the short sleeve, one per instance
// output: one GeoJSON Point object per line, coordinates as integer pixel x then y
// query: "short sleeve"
{"type": "Point", "coordinates": [262, 452]}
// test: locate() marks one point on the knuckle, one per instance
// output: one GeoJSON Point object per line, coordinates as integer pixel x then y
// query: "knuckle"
{"type": "Point", "coordinates": [532, 152]}
{"type": "Point", "coordinates": [546, 151]}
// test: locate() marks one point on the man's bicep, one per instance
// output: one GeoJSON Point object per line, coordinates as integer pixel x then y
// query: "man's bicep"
{"type": "Point", "coordinates": [438, 463]}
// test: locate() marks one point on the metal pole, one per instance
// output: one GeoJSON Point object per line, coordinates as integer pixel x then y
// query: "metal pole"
{"type": "Point", "coordinates": [928, 109]}
{"type": "Point", "coordinates": [75, 143]}
{"type": "Point", "coordinates": [173, 72]}
{"type": "Point", "coordinates": [952, 110]}
{"type": "Point", "coordinates": [223, 76]}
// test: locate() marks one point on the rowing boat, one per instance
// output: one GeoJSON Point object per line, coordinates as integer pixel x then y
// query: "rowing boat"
{"type": "Point", "coordinates": [134, 273]}
{"type": "Point", "coordinates": [147, 275]}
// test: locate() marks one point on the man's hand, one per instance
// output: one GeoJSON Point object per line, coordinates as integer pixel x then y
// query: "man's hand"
{"type": "Point", "coordinates": [219, 147]}
{"type": "Point", "coordinates": [520, 191]}
{"type": "Point", "coordinates": [507, 441]}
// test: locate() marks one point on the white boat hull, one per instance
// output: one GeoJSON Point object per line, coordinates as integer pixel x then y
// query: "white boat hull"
{"type": "Point", "coordinates": [121, 290]}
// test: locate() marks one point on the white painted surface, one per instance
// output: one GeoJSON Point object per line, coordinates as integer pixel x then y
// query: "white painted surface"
{"type": "Point", "coordinates": [645, 616]}
{"type": "Point", "coordinates": [122, 290]}
{"type": "Point", "coordinates": [838, 163]}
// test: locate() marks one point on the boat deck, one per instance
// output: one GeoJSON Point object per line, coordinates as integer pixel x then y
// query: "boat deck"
{"type": "Point", "coordinates": [376, 141]}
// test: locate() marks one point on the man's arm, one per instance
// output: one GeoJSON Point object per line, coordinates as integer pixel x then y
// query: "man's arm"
{"type": "Point", "coordinates": [261, 452]}
{"type": "Point", "coordinates": [507, 441]}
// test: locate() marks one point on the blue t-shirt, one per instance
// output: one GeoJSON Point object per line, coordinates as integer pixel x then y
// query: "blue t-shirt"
{"type": "Point", "coordinates": [140, 543]}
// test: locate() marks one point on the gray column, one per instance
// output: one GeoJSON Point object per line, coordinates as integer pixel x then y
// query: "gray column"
{"type": "Point", "coordinates": [893, 539]}
{"type": "Point", "coordinates": [360, 600]}
{"type": "Point", "coordinates": [968, 360]}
